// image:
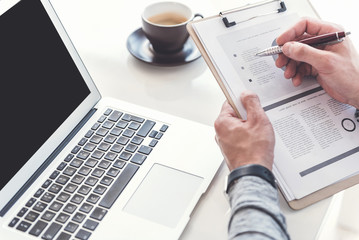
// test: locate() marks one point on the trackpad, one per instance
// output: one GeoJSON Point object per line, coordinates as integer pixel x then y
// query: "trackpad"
{"type": "Point", "coordinates": [163, 195]}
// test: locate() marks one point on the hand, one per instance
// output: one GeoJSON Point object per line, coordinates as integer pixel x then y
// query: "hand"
{"type": "Point", "coordinates": [336, 67]}
{"type": "Point", "coordinates": [248, 141]}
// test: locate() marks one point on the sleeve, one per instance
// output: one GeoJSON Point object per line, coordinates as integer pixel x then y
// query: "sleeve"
{"type": "Point", "coordinates": [255, 211]}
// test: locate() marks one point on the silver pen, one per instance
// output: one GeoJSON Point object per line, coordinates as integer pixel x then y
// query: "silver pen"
{"type": "Point", "coordinates": [325, 39]}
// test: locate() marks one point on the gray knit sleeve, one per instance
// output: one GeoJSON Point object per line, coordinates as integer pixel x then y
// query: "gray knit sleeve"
{"type": "Point", "coordinates": [255, 211]}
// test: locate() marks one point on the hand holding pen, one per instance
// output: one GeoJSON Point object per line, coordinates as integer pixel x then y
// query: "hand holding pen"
{"type": "Point", "coordinates": [336, 67]}
{"type": "Point", "coordinates": [320, 40]}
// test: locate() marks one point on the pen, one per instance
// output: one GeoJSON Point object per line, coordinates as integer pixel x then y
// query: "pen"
{"type": "Point", "coordinates": [325, 39]}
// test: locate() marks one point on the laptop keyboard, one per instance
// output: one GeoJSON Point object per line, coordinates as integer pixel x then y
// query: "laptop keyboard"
{"type": "Point", "coordinates": [77, 195]}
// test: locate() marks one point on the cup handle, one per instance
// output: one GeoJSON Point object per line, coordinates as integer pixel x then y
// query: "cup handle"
{"type": "Point", "coordinates": [197, 15]}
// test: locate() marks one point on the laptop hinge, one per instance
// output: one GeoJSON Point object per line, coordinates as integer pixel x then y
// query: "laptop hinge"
{"type": "Point", "coordinates": [47, 162]}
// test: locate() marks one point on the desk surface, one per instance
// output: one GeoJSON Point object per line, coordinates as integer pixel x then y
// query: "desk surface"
{"type": "Point", "coordinates": [99, 30]}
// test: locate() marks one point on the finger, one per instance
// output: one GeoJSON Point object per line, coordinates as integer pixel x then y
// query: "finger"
{"type": "Point", "coordinates": [291, 69]}
{"type": "Point", "coordinates": [281, 61]}
{"type": "Point", "coordinates": [252, 106]}
{"type": "Point", "coordinates": [305, 53]}
{"type": "Point", "coordinates": [297, 79]}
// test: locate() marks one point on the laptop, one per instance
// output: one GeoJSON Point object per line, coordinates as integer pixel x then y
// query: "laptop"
{"type": "Point", "coordinates": [79, 166]}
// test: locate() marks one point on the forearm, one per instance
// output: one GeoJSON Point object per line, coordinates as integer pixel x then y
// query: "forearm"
{"type": "Point", "coordinates": [255, 211]}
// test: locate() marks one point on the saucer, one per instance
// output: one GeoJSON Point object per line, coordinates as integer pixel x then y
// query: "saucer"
{"type": "Point", "coordinates": [139, 46]}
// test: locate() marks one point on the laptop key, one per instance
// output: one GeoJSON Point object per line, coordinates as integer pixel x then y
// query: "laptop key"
{"type": "Point", "coordinates": [84, 171]}
{"type": "Point", "coordinates": [62, 180]}
{"type": "Point", "coordinates": [96, 139]}
{"type": "Point", "coordinates": [62, 218]}
{"type": "Point", "coordinates": [93, 198]}
{"type": "Point", "coordinates": [48, 216]}
{"type": "Point", "coordinates": [47, 197]}
{"type": "Point", "coordinates": [63, 236]}
{"type": "Point", "coordinates": [164, 128]}
{"type": "Point", "coordinates": [99, 189]}
{"type": "Point", "coordinates": [13, 222]}
{"type": "Point", "coordinates": [71, 227]}
{"type": "Point", "coordinates": [106, 181]}
{"type": "Point", "coordinates": [83, 155]}
{"type": "Point", "coordinates": [90, 147]}
{"type": "Point", "coordinates": [97, 154]}
{"type": "Point", "coordinates": [91, 162]}
{"type": "Point", "coordinates": [82, 141]}
{"type": "Point", "coordinates": [138, 158]}
{"type": "Point", "coordinates": [86, 208]}
{"type": "Point", "coordinates": [118, 186]}
{"type": "Point", "coordinates": [38, 228]}
{"type": "Point", "coordinates": [108, 112]}
{"type": "Point", "coordinates": [89, 134]}
{"type": "Point", "coordinates": [70, 208]}
{"type": "Point", "coordinates": [108, 124]}
{"type": "Point", "coordinates": [77, 199]}
{"type": "Point", "coordinates": [83, 235]}
{"type": "Point", "coordinates": [115, 116]}
{"type": "Point", "coordinates": [128, 133]}
{"type": "Point", "coordinates": [32, 216]}
{"type": "Point", "coordinates": [76, 163]}
{"type": "Point", "coordinates": [123, 140]}
{"type": "Point", "coordinates": [55, 188]}
{"type": "Point", "coordinates": [39, 206]}
{"type": "Point", "coordinates": [125, 156]}
{"type": "Point", "coordinates": [22, 212]}
{"type": "Point", "coordinates": [90, 224]}
{"type": "Point", "coordinates": [76, 149]}
{"type": "Point", "coordinates": [153, 143]}
{"type": "Point", "coordinates": [145, 150]}
{"type": "Point", "coordinates": [51, 231]}
{"type": "Point", "coordinates": [63, 197]}
{"type": "Point", "coordinates": [122, 124]}
{"type": "Point", "coordinates": [69, 171]}
{"type": "Point", "coordinates": [146, 128]}
{"type": "Point", "coordinates": [30, 202]}
{"type": "Point", "coordinates": [69, 157]}
{"type": "Point", "coordinates": [91, 181]}
{"type": "Point", "coordinates": [98, 213]}
{"type": "Point", "coordinates": [104, 164]}
{"type": "Point", "coordinates": [84, 190]}
{"type": "Point", "coordinates": [70, 188]}
{"type": "Point", "coordinates": [78, 217]}
{"type": "Point", "coordinates": [61, 166]}
{"type": "Point", "coordinates": [23, 226]}
{"type": "Point", "coordinates": [101, 119]}
{"type": "Point", "coordinates": [55, 206]}
{"type": "Point", "coordinates": [119, 164]}
{"type": "Point", "coordinates": [54, 174]}
{"type": "Point", "coordinates": [77, 179]}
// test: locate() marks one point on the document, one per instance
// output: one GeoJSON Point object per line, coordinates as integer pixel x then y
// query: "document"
{"type": "Point", "coordinates": [317, 137]}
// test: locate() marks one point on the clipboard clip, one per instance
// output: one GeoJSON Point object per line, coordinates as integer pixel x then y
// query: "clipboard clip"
{"type": "Point", "coordinates": [228, 24]}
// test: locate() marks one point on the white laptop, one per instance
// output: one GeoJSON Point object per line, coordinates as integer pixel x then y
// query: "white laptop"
{"type": "Point", "coordinates": [77, 166]}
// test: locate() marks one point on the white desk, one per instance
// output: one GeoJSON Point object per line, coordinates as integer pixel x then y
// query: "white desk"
{"type": "Point", "coordinates": [99, 30]}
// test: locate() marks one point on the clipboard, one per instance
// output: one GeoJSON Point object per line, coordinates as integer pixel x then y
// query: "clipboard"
{"type": "Point", "coordinates": [279, 7]}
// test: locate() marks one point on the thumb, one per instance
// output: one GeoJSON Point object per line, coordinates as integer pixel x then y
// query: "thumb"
{"type": "Point", "coordinates": [304, 53]}
{"type": "Point", "coordinates": [251, 104]}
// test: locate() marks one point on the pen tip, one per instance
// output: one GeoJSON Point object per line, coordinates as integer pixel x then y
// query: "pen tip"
{"type": "Point", "coordinates": [347, 33]}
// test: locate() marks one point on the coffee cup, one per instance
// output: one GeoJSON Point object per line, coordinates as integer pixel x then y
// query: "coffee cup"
{"type": "Point", "coordinates": [164, 25]}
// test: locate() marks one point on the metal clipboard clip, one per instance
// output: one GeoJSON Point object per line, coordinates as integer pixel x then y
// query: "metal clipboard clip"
{"type": "Point", "coordinates": [228, 24]}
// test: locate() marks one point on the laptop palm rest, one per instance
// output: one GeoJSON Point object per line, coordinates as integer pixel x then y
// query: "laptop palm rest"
{"type": "Point", "coordinates": [163, 195]}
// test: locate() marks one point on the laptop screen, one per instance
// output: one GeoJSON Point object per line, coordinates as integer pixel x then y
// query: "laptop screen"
{"type": "Point", "coordinates": [40, 84]}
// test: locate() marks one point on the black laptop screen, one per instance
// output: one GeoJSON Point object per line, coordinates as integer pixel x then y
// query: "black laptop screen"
{"type": "Point", "coordinates": [40, 84]}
